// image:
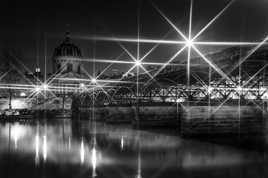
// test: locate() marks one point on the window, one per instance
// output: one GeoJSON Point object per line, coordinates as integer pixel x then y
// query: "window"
{"type": "Point", "coordinates": [69, 67]}
{"type": "Point", "coordinates": [58, 67]}
{"type": "Point", "coordinates": [78, 70]}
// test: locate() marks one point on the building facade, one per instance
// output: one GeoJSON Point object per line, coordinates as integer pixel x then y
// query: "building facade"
{"type": "Point", "coordinates": [67, 59]}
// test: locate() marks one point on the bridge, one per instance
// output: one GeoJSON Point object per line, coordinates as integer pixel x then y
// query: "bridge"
{"type": "Point", "coordinates": [247, 83]}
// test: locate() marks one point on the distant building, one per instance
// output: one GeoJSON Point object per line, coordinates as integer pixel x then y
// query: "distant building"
{"type": "Point", "coordinates": [68, 66]}
{"type": "Point", "coordinates": [67, 59]}
{"type": "Point", "coordinates": [36, 77]}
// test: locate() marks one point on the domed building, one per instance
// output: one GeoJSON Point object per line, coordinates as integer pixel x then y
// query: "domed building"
{"type": "Point", "coordinates": [67, 59]}
{"type": "Point", "coordinates": [67, 64]}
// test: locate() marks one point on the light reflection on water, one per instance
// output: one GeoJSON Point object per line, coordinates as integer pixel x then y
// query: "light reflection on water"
{"type": "Point", "coordinates": [100, 150]}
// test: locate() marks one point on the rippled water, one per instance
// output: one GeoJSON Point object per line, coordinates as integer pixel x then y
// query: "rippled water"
{"type": "Point", "coordinates": [83, 149]}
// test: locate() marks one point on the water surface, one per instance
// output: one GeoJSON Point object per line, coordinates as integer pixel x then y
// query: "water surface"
{"type": "Point", "coordinates": [66, 149]}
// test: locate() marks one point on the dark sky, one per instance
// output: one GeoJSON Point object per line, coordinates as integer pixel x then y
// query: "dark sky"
{"type": "Point", "coordinates": [25, 24]}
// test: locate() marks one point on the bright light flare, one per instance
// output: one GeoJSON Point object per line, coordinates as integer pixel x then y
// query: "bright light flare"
{"type": "Point", "coordinates": [175, 42]}
{"type": "Point", "coordinates": [99, 81]}
{"type": "Point", "coordinates": [82, 152]}
{"type": "Point", "coordinates": [180, 100]}
{"type": "Point", "coordinates": [189, 43]}
{"type": "Point", "coordinates": [94, 161]}
{"type": "Point", "coordinates": [138, 63]}
{"type": "Point", "coordinates": [209, 90]}
{"type": "Point", "coordinates": [170, 23]}
{"type": "Point", "coordinates": [22, 94]}
{"type": "Point", "coordinates": [82, 85]}
{"type": "Point", "coordinates": [216, 68]}
{"type": "Point", "coordinates": [94, 80]}
{"type": "Point", "coordinates": [239, 89]}
{"type": "Point", "coordinates": [45, 147]}
{"type": "Point", "coordinates": [122, 143]}
{"type": "Point", "coordinates": [45, 86]}
{"type": "Point", "coordinates": [36, 148]}
{"type": "Point", "coordinates": [94, 158]}
{"type": "Point", "coordinates": [37, 89]}
{"type": "Point", "coordinates": [17, 131]}
{"type": "Point", "coordinates": [214, 19]}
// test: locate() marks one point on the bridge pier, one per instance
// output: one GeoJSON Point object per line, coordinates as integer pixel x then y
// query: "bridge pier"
{"type": "Point", "coordinates": [228, 119]}
{"type": "Point", "coordinates": [191, 117]}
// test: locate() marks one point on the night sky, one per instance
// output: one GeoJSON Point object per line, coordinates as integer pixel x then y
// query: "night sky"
{"type": "Point", "coordinates": [24, 25]}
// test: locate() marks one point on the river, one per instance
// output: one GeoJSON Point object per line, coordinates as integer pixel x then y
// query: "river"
{"type": "Point", "coordinates": [63, 148]}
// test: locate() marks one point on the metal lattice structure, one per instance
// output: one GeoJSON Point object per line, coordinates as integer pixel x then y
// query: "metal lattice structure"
{"type": "Point", "coordinates": [247, 84]}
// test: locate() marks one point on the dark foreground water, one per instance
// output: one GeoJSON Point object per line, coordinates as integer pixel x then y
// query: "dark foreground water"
{"type": "Point", "coordinates": [71, 149]}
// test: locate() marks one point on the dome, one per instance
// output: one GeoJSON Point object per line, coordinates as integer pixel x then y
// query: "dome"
{"type": "Point", "coordinates": [67, 48]}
